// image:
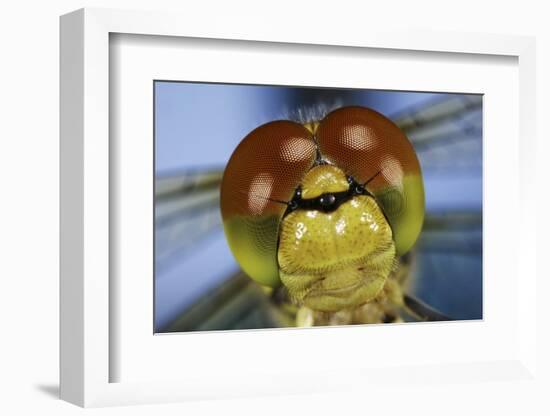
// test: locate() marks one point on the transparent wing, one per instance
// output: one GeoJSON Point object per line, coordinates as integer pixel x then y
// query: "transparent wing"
{"type": "Point", "coordinates": [447, 136]}
{"type": "Point", "coordinates": [186, 213]}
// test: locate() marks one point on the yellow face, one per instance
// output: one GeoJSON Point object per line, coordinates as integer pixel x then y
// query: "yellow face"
{"type": "Point", "coordinates": [337, 257]}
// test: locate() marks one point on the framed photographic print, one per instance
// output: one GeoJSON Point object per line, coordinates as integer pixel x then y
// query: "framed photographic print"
{"type": "Point", "coordinates": [282, 212]}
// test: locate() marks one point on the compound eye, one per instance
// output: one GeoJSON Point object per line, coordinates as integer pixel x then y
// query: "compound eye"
{"type": "Point", "coordinates": [364, 143]}
{"type": "Point", "coordinates": [260, 178]}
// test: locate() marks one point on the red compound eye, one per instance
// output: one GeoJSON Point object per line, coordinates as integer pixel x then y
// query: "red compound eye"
{"type": "Point", "coordinates": [366, 145]}
{"type": "Point", "coordinates": [266, 167]}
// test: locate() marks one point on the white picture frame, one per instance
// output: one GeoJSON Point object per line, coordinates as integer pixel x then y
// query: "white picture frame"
{"type": "Point", "coordinates": [87, 302]}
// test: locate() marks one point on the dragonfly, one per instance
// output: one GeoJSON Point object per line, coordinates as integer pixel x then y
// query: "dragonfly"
{"type": "Point", "coordinates": [259, 305]}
